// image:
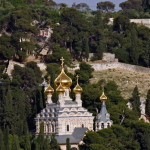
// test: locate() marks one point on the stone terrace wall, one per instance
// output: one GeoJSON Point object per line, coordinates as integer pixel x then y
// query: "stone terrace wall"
{"type": "Point", "coordinates": [97, 67]}
{"type": "Point", "coordinates": [113, 65]}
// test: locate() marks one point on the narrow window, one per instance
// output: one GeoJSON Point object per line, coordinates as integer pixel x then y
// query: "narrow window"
{"type": "Point", "coordinates": [108, 125]}
{"type": "Point", "coordinates": [52, 128]}
{"type": "Point", "coordinates": [67, 127]}
{"type": "Point", "coordinates": [98, 125]}
{"type": "Point", "coordinates": [102, 125]}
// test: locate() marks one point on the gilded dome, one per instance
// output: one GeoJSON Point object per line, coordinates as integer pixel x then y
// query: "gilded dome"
{"type": "Point", "coordinates": [78, 89]}
{"type": "Point", "coordinates": [49, 90]}
{"type": "Point", "coordinates": [60, 89]}
{"type": "Point", "coordinates": [63, 78]}
{"type": "Point", "coordinates": [103, 97]}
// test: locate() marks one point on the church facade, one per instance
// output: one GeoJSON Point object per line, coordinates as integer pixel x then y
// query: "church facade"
{"type": "Point", "coordinates": [66, 118]}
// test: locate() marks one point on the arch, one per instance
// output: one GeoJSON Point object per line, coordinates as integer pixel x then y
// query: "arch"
{"type": "Point", "coordinates": [53, 128]}
{"type": "Point", "coordinates": [73, 109]}
{"type": "Point", "coordinates": [66, 109]}
{"type": "Point", "coordinates": [82, 125]}
{"type": "Point", "coordinates": [79, 114]}
{"type": "Point", "coordinates": [81, 109]}
{"type": "Point", "coordinates": [64, 114]}
{"type": "Point", "coordinates": [98, 125]}
{"type": "Point", "coordinates": [71, 114]}
{"type": "Point", "coordinates": [108, 125]}
{"type": "Point", "coordinates": [102, 125]}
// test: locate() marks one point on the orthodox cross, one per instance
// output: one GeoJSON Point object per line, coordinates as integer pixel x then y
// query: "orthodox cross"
{"type": "Point", "coordinates": [48, 79]}
{"type": "Point", "coordinates": [77, 78]}
{"type": "Point", "coordinates": [62, 62]}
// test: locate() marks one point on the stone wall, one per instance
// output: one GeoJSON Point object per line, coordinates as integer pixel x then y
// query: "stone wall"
{"type": "Point", "coordinates": [12, 63]}
{"type": "Point", "coordinates": [97, 66]}
{"type": "Point", "coordinates": [109, 57]}
{"type": "Point", "coordinates": [112, 65]}
{"type": "Point", "coordinates": [145, 22]}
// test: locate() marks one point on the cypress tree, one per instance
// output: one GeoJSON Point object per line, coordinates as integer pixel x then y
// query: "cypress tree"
{"type": "Point", "coordinates": [15, 145]}
{"type": "Point", "coordinates": [135, 100]}
{"type": "Point", "coordinates": [68, 146]}
{"type": "Point", "coordinates": [54, 144]}
{"type": "Point", "coordinates": [2, 146]}
{"type": "Point", "coordinates": [147, 107]}
{"type": "Point", "coordinates": [6, 139]}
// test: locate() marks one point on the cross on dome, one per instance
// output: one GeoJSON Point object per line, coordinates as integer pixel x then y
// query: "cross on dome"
{"type": "Point", "coordinates": [48, 79]}
{"type": "Point", "coordinates": [62, 62]}
{"type": "Point", "coordinates": [77, 79]}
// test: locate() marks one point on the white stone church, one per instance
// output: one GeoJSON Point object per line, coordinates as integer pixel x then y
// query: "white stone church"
{"type": "Point", "coordinates": [67, 118]}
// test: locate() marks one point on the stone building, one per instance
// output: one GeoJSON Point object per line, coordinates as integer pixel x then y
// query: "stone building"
{"type": "Point", "coordinates": [103, 118]}
{"type": "Point", "coordinates": [66, 118]}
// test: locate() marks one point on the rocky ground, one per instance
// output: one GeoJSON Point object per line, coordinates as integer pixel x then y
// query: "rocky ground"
{"type": "Point", "coordinates": [126, 80]}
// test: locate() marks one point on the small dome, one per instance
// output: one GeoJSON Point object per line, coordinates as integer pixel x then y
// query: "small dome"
{"type": "Point", "coordinates": [103, 97]}
{"type": "Point", "coordinates": [78, 89]}
{"type": "Point", "coordinates": [65, 81]}
{"type": "Point", "coordinates": [49, 90]}
{"type": "Point", "coordinates": [60, 89]}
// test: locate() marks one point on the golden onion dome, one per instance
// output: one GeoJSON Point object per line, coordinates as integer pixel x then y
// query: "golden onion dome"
{"type": "Point", "coordinates": [49, 89]}
{"type": "Point", "coordinates": [60, 89]}
{"type": "Point", "coordinates": [103, 97]}
{"type": "Point", "coordinates": [78, 89]}
{"type": "Point", "coordinates": [63, 78]}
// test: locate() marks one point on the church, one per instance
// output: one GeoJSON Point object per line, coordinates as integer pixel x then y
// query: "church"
{"type": "Point", "coordinates": [67, 119]}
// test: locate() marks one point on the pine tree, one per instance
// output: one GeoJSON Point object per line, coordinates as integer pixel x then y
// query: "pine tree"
{"type": "Point", "coordinates": [147, 107]}
{"type": "Point", "coordinates": [68, 146]}
{"type": "Point", "coordinates": [135, 100]}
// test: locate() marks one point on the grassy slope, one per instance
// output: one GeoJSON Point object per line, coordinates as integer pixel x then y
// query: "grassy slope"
{"type": "Point", "coordinates": [126, 80]}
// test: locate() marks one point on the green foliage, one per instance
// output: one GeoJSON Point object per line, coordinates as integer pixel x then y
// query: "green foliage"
{"type": "Point", "coordinates": [146, 5]}
{"type": "Point", "coordinates": [147, 105]}
{"type": "Point", "coordinates": [135, 100]}
{"type": "Point", "coordinates": [116, 137]}
{"type": "Point", "coordinates": [131, 4]}
{"type": "Point", "coordinates": [68, 146]}
{"type": "Point", "coordinates": [59, 52]}
{"type": "Point", "coordinates": [85, 72]}
{"type": "Point", "coordinates": [106, 6]}
{"type": "Point", "coordinates": [54, 144]}
{"type": "Point", "coordinates": [2, 146]}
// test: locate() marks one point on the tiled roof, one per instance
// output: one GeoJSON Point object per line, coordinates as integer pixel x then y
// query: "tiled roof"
{"type": "Point", "coordinates": [75, 137]}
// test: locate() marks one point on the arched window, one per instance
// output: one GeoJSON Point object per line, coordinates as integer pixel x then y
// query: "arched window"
{"type": "Point", "coordinates": [102, 125]}
{"type": "Point", "coordinates": [98, 125]}
{"type": "Point", "coordinates": [52, 128]}
{"type": "Point", "coordinates": [67, 127]}
{"type": "Point", "coordinates": [108, 125]}
{"type": "Point", "coordinates": [82, 125]}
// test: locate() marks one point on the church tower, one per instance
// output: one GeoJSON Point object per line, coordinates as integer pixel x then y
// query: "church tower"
{"type": "Point", "coordinates": [103, 118]}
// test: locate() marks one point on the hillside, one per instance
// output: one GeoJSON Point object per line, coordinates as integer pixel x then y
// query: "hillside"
{"type": "Point", "coordinates": [126, 80]}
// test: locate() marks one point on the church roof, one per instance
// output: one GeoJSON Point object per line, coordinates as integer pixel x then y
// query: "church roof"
{"type": "Point", "coordinates": [103, 115]}
{"type": "Point", "coordinates": [75, 137]}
